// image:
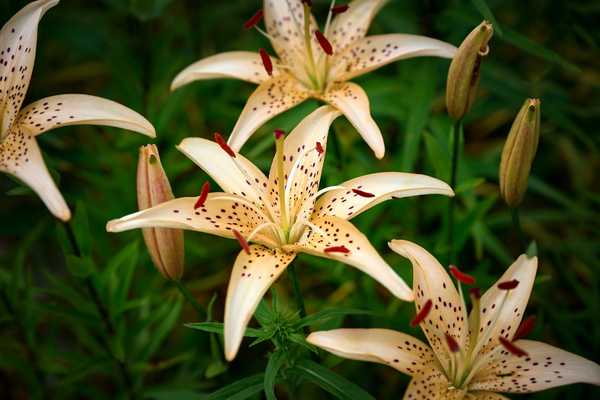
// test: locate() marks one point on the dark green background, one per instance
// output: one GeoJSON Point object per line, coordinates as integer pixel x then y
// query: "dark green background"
{"type": "Point", "coordinates": [130, 50]}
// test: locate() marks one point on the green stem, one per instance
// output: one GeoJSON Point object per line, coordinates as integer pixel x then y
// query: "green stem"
{"type": "Point", "coordinates": [104, 316]}
{"type": "Point", "coordinates": [456, 128]}
{"type": "Point", "coordinates": [296, 288]}
{"type": "Point", "coordinates": [516, 219]}
{"type": "Point", "coordinates": [31, 355]}
{"type": "Point", "coordinates": [190, 298]}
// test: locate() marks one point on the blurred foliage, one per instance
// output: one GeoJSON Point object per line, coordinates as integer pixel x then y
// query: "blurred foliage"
{"type": "Point", "coordinates": [55, 340]}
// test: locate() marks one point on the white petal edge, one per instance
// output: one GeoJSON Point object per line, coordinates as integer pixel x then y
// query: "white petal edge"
{"type": "Point", "coordinates": [80, 109]}
{"type": "Point", "coordinates": [243, 65]}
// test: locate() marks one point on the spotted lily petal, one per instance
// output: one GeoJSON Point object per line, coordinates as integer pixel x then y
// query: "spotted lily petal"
{"type": "Point", "coordinates": [544, 367]}
{"type": "Point", "coordinates": [303, 162]}
{"type": "Point", "coordinates": [370, 190]}
{"type": "Point", "coordinates": [220, 215]}
{"type": "Point", "coordinates": [352, 100]}
{"type": "Point", "coordinates": [251, 277]}
{"type": "Point", "coordinates": [243, 65]}
{"type": "Point", "coordinates": [352, 25]}
{"type": "Point", "coordinates": [271, 98]}
{"type": "Point", "coordinates": [18, 39]}
{"type": "Point", "coordinates": [20, 156]}
{"type": "Point", "coordinates": [486, 396]}
{"type": "Point", "coordinates": [237, 176]}
{"type": "Point", "coordinates": [79, 109]}
{"type": "Point", "coordinates": [374, 52]}
{"type": "Point", "coordinates": [334, 233]}
{"type": "Point", "coordinates": [284, 21]}
{"type": "Point", "coordinates": [501, 310]}
{"type": "Point", "coordinates": [431, 282]}
{"type": "Point", "coordinates": [383, 346]}
{"type": "Point", "coordinates": [430, 384]}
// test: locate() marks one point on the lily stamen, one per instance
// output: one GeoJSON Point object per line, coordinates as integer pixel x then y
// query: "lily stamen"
{"type": "Point", "coordinates": [266, 61]}
{"type": "Point", "coordinates": [203, 195]}
{"type": "Point", "coordinates": [325, 45]}
{"type": "Point", "coordinates": [461, 276]}
{"type": "Point", "coordinates": [525, 328]}
{"type": "Point", "coordinates": [362, 193]}
{"type": "Point", "coordinates": [223, 144]}
{"type": "Point", "coordinates": [254, 20]}
{"type": "Point", "coordinates": [422, 314]}
{"type": "Point", "coordinates": [508, 285]}
{"type": "Point", "coordinates": [242, 241]}
{"type": "Point", "coordinates": [511, 347]}
{"type": "Point", "coordinates": [337, 249]}
{"type": "Point", "coordinates": [342, 8]}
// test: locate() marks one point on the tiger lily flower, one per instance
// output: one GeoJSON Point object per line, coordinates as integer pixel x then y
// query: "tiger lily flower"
{"type": "Point", "coordinates": [276, 217]}
{"type": "Point", "coordinates": [20, 155]}
{"type": "Point", "coordinates": [472, 357]}
{"type": "Point", "coordinates": [312, 64]}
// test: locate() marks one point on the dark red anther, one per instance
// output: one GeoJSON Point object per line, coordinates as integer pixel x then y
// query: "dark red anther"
{"type": "Point", "coordinates": [511, 347]}
{"type": "Point", "coordinates": [203, 195]}
{"type": "Point", "coordinates": [461, 276]}
{"type": "Point", "coordinates": [221, 142]}
{"type": "Point", "coordinates": [319, 148]}
{"type": "Point", "coordinates": [255, 19]}
{"type": "Point", "coordinates": [525, 328]}
{"type": "Point", "coordinates": [325, 45]}
{"type": "Point", "coordinates": [242, 241]}
{"type": "Point", "coordinates": [337, 249]}
{"type": "Point", "coordinates": [266, 60]}
{"type": "Point", "coordinates": [452, 343]}
{"type": "Point", "coordinates": [475, 292]}
{"type": "Point", "coordinates": [279, 133]}
{"type": "Point", "coordinates": [508, 285]}
{"type": "Point", "coordinates": [362, 193]}
{"type": "Point", "coordinates": [422, 314]}
{"type": "Point", "coordinates": [342, 8]}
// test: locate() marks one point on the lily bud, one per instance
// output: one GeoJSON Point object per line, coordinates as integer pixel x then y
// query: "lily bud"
{"type": "Point", "coordinates": [519, 152]}
{"type": "Point", "coordinates": [463, 75]}
{"type": "Point", "coordinates": [164, 245]}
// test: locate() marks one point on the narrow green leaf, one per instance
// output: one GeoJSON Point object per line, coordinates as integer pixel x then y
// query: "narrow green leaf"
{"type": "Point", "coordinates": [276, 361]}
{"type": "Point", "coordinates": [217, 327]}
{"type": "Point", "coordinates": [323, 315]}
{"type": "Point", "coordinates": [330, 381]}
{"type": "Point", "coordinates": [239, 390]}
{"type": "Point", "coordinates": [81, 229]}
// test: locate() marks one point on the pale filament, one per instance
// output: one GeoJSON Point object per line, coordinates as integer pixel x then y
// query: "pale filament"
{"type": "Point", "coordinates": [329, 15]}
{"type": "Point", "coordinates": [330, 189]}
{"type": "Point", "coordinates": [257, 190]}
{"type": "Point", "coordinates": [291, 176]}
{"type": "Point", "coordinates": [273, 226]}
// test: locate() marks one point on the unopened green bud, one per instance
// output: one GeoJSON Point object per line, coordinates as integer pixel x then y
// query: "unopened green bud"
{"type": "Point", "coordinates": [164, 245]}
{"type": "Point", "coordinates": [463, 75]}
{"type": "Point", "coordinates": [519, 152]}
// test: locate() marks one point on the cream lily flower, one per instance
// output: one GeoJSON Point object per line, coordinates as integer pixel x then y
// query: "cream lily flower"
{"type": "Point", "coordinates": [282, 215]}
{"type": "Point", "coordinates": [468, 357]}
{"type": "Point", "coordinates": [310, 65]}
{"type": "Point", "coordinates": [20, 155]}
